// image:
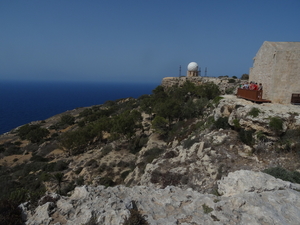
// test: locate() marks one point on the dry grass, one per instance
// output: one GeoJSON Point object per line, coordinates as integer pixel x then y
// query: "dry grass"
{"type": "Point", "coordinates": [14, 160]}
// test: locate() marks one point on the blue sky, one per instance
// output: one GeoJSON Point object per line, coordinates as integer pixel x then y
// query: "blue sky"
{"type": "Point", "coordinates": [137, 41]}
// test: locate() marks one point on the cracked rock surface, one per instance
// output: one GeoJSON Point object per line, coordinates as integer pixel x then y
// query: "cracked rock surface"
{"type": "Point", "coordinates": [247, 198]}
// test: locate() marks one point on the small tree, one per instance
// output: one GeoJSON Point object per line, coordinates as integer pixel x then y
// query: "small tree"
{"type": "Point", "coordinates": [245, 76]}
{"type": "Point", "coordinates": [276, 124]}
{"type": "Point", "coordinates": [160, 125]}
{"type": "Point", "coordinates": [67, 119]}
{"type": "Point", "coordinates": [33, 133]}
{"type": "Point", "coordinates": [59, 179]}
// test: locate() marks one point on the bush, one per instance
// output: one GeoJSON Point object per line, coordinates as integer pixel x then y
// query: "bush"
{"type": "Point", "coordinates": [254, 112]}
{"type": "Point", "coordinates": [152, 154]}
{"type": "Point", "coordinates": [231, 80]}
{"type": "Point", "coordinates": [67, 119]}
{"type": "Point", "coordinates": [160, 125]}
{"type": "Point", "coordinates": [106, 149]}
{"type": "Point", "coordinates": [222, 122]}
{"type": "Point", "coordinates": [12, 150]}
{"type": "Point", "coordinates": [33, 133]}
{"type": "Point", "coordinates": [189, 142]}
{"type": "Point", "coordinates": [137, 143]}
{"type": "Point", "coordinates": [276, 124]}
{"type": "Point", "coordinates": [246, 136]}
{"type": "Point", "coordinates": [245, 77]}
{"type": "Point", "coordinates": [206, 209]}
{"type": "Point", "coordinates": [217, 100]}
{"type": "Point", "coordinates": [281, 173]}
{"type": "Point", "coordinates": [236, 124]}
{"type": "Point", "coordinates": [229, 90]}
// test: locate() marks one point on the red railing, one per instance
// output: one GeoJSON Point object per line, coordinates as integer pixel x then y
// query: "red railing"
{"type": "Point", "coordinates": [253, 95]}
{"type": "Point", "coordinates": [295, 99]}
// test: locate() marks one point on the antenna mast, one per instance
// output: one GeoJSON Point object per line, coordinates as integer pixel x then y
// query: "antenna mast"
{"type": "Point", "coordinates": [180, 71]}
{"type": "Point", "coordinates": [205, 71]}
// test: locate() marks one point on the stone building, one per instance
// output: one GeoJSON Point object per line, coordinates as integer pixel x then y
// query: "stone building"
{"type": "Point", "coordinates": [277, 66]}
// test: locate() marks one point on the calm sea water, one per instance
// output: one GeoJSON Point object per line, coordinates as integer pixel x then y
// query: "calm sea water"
{"type": "Point", "coordinates": [24, 102]}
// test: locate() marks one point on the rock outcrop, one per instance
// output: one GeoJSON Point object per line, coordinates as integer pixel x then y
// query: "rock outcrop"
{"type": "Point", "coordinates": [247, 198]}
{"type": "Point", "coordinates": [176, 179]}
{"type": "Point", "coordinates": [226, 85]}
{"type": "Point", "coordinates": [240, 110]}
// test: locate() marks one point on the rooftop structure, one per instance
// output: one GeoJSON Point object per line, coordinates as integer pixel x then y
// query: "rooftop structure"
{"type": "Point", "coordinates": [192, 69]}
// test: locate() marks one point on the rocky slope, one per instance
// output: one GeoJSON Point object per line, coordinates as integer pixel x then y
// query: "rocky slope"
{"type": "Point", "coordinates": [177, 180]}
{"type": "Point", "coordinates": [247, 197]}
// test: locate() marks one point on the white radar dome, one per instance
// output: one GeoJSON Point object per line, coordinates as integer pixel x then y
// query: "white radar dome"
{"type": "Point", "coordinates": [192, 66]}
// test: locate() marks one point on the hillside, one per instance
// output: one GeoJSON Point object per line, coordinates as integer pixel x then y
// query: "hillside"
{"type": "Point", "coordinates": [188, 139]}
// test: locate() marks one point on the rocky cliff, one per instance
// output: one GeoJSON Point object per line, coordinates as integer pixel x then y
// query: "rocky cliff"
{"type": "Point", "coordinates": [246, 197]}
{"type": "Point", "coordinates": [207, 170]}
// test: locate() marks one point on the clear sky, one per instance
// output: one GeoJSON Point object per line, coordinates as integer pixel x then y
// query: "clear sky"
{"type": "Point", "coordinates": [138, 40]}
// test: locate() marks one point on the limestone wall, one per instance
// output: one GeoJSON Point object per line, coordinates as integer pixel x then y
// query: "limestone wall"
{"type": "Point", "coordinates": [277, 66]}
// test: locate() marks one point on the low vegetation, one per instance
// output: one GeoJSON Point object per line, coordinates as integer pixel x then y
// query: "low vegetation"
{"type": "Point", "coordinates": [276, 124]}
{"type": "Point", "coordinates": [254, 112]}
{"type": "Point", "coordinates": [176, 113]}
{"type": "Point", "coordinates": [283, 174]}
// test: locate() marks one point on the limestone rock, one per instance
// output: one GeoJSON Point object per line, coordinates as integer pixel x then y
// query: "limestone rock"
{"type": "Point", "coordinates": [242, 181]}
{"type": "Point", "coordinates": [249, 198]}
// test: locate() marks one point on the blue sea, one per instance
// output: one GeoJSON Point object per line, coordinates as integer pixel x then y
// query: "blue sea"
{"type": "Point", "coordinates": [24, 102]}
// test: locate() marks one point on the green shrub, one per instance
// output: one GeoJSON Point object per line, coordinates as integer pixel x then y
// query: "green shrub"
{"type": "Point", "coordinates": [106, 149]}
{"type": "Point", "coordinates": [137, 143]}
{"type": "Point", "coordinates": [217, 100]}
{"type": "Point", "coordinates": [231, 80]}
{"type": "Point", "coordinates": [245, 77]}
{"type": "Point", "coordinates": [222, 122]}
{"type": "Point", "coordinates": [283, 174]}
{"type": "Point", "coordinates": [33, 133]}
{"type": "Point", "coordinates": [67, 119]}
{"type": "Point", "coordinates": [260, 135]}
{"type": "Point", "coordinates": [290, 140]}
{"type": "Point", "coordinates": [246, 136]}
{"type": "Point", "coordinates": [211, 90]}
{"type": "Point", "coordinates": [189, 142]}
{"type": "Point", "coordinates": [254, 112]}
{"type": "Point", "coordinates": [276, 124]}
{"type": "Point", "coordinates": [236, 124]}
{"type": "Point", "coordinates": [12, 150]}
{"type": "Point", "coordinates": [152, 154]}
{"type": "Point", "coordinates": [207, 209]}
{"type": "Point", "coordinates": [160, 125]}
{"type": "Point", "coordinates": [229, 90]}
{"type": "Point", "coordinates": [45, 176]}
